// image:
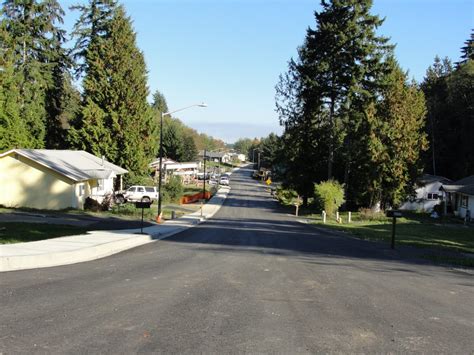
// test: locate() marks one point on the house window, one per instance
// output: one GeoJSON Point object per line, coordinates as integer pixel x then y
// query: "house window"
{"type": "Point", "coordinates": [464, 200]}
{"type": "Point", "coordinates": [81, 190]}
{"type": "Point", "coordinates": [433, 196]}
{"type": "Point", "coordinates": [100, 185]}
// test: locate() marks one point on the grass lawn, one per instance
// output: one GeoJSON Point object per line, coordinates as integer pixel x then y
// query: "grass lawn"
{"type": "Point", "coordinates": [19, 232]}
{"type": "Point", "coordinates": [192, 189]}
{"type": "Point", "coordinates": [413, 229]}
{"type": "Point", "coordinates": [14, 232]}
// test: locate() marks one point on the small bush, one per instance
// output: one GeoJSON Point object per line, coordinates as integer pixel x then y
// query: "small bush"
{"type": "Point", "coordinates": [173, 190]}
{"type": "Point", "coordinates": [92, 205]}
{"type": "Point", "coordinates": [106, 202]}
{"type": "Point", "coordinates": [367, 214]}
{"type": "Point", "coordinates": [329, 195]}
{"type": "Point", "coordinates": [439, 208]}
{"type": "Point", "coordinates": [286, 196]}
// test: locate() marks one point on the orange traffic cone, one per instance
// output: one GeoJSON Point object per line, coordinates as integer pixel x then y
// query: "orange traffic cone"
{"type": "Point", "coordinates": [159, 218]}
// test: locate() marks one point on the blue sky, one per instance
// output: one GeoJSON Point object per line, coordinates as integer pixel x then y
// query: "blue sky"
{"type": "Point", "coordinates": [229, 53]}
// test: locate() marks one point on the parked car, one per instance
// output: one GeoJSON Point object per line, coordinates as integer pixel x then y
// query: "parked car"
{"type": "Point", "coordinates": [137, 194]}
{"type": "Point", "coordinates": [224, 180]}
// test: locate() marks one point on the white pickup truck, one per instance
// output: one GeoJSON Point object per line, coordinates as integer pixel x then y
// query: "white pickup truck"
{"type": "Point", "coordinates": [137, 194]}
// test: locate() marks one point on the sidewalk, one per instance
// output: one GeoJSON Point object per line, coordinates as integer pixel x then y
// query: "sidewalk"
{"type": "Point", "coordinates": [99, 244]}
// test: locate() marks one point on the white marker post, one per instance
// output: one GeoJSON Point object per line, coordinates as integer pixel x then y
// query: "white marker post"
{"type": "Point", "coordinates": [349, 219]}
{"type": "Point", "coordinates": [324, 216]}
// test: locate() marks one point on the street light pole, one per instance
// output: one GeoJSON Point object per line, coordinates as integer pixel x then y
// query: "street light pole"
{"type": "Point", "coordinates": [204, 181]}
{"type": "Point", "coordinates": [159, 217]}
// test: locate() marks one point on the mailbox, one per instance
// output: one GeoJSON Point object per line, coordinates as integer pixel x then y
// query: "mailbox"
{"type": "Point", "coordinates": [142, 204]}
{"type": "Point", "coordinates": [394, 213]}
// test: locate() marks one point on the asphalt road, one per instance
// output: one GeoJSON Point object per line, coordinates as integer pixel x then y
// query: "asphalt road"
{"type": "Point", "coordinates": [252, 279]}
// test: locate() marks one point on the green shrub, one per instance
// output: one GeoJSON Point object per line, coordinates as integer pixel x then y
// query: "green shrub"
{"type": "Point", "coordinates": [286, 196]}
{"type": "Point", "coordinates": [91, 205]}
{"type": "Point", "coordinates": [173, 190]}
{"type": "Point", "coordinates": [143, 180]}
{"type": "Point", "coordinates": [367, 214]}
{"type": "Point", "coordinates": [329, 195]}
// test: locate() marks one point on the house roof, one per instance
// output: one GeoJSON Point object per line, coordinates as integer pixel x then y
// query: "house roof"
{"type": "Point", "coordinates": [164, 161]}
{"type": "Point", "coordinates": [213, 154]}
{"type": "Point", "coordinates": [464, 186]}
{"type": "Point", "coordinates": [77, 165]}
{"type": "Point", "coordinates": [428, 179]}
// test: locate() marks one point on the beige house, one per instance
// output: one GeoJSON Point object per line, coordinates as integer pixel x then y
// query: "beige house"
{"type": "Point", "coordinates": [54, 179]}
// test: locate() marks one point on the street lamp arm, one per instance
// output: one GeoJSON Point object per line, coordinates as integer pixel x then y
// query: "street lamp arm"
{"type": "Point", "coordinates": [202, 104]}
{"type": "Point", "coordinates": [160, 177]}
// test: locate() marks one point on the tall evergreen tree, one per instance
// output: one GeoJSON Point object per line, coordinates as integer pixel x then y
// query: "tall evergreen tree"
{"type": "Point", "coordinates": [449, 98]}
{"type": "Point", "coordinates": [435, 89]}
{"type": "Point", "coordinates": [461, 120]}
{"type": "Point", "coordinates": [172, 138]}
{"type": "Point", "coordinates": [323, 98]}
{"type": "Point", "coordinates": [92, 26]}
{"type": "Point", "coordinates": [35, 40]}
{"type": "Point", "coordinates": [159, 102]}
{"type": "Point", "coordinates": [189, 151]}
{"type": "Point", "coordinates": [116, 120]}
{"type": "Point", "coordinates": [13, 130]}
{"type": "Point", "coordinates": [396, 140]}
{"type": "Point", "coordinates": [468, 50]}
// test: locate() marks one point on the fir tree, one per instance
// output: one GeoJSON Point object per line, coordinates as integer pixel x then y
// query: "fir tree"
{"type": "Point", "coordinates": [159, 102]}
{"type": "Point", "coordinates": [396, 140]}
{"type": "Point", "coordinates": [116, 120]}
{"type": "Point", "coordinates": [323, 98]}
{"type": "Point", "coordinates": [189, 150]}
{"type": "Point", "coordinates": [460, 101]}
{"type": "Point", "coordinates": [435, 89]}
{"type": "Point", "coordinates": [468, 50]}
{"type": "Point", "coordinates": [13, 131]}
{"type": "Point", "coordinates": [35, 40]}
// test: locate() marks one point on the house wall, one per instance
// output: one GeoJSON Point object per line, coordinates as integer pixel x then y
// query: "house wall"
{"type": "Point", "coordinates": [81, 191]}
{"type": "Point", "coordinates": [421, 202]}
{"type": "Point", "coordinates": [96, 192]}
{"type": "Point", "coordinates": [470, 206]}
{"type": "Point", "coordinates": [24, 183]}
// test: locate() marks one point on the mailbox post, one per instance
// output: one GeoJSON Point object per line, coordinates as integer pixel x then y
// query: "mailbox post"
{"type": "Point", "coordinates": [142, 205]}
{"type": "Point", "coordinates": [394, 214]}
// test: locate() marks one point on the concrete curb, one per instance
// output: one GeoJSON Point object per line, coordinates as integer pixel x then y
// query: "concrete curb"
{"type": "Point", "coordinates": [98, 244]}
{"type": "Point", "coordinates": [70, 250]}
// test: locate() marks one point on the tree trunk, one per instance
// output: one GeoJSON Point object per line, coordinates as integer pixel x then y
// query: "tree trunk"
{"type": "Point", "coordinates": [331, 139]}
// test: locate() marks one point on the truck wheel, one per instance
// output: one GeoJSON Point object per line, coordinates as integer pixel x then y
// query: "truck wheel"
{"type": "Point", "coordinates": [146, 199]}
{"type": "Point", "coordinates": [119, 199]}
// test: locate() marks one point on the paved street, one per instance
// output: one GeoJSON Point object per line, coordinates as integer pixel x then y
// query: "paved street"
{"type": "Point", "coordinates": [252, 279]}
